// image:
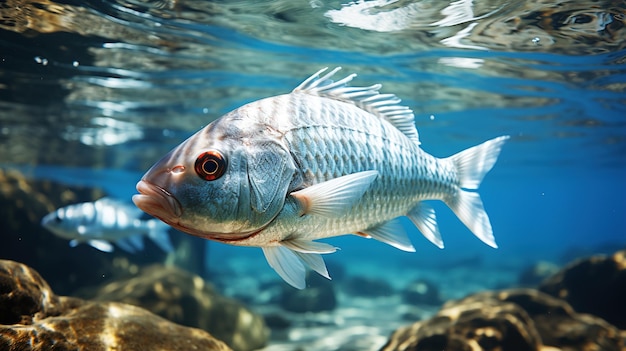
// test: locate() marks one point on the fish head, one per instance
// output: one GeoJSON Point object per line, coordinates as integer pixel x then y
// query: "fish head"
{"type": "Point", "coordinates": [65, 222]}
{"type": "Point", "coordinates": [225, 183]}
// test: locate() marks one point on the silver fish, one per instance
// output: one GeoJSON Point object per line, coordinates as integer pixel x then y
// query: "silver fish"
{"type": "Point", "coordinates": [106, 221]}
{"type": "Point", "coordinates": [325, 160]}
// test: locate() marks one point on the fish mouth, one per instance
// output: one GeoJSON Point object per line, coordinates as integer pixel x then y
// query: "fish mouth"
{"type": "Point", "coordinates": [157, 201]}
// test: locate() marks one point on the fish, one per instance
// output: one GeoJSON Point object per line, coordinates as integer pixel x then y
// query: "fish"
{"type": "Point", "coordinates": [105, 222]}
{"type": "Point", "coordinates": [326, 159]}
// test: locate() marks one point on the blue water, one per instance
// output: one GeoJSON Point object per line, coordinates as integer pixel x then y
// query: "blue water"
{"type": "Point", "coordinates": [95, 99]}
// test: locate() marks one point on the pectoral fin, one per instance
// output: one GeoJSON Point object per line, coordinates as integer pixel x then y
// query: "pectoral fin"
{"type": "Point", "coordinates": [101, 245]}
{"type": "Point", "coordinates": [286, 264]}
{"type": "Point", "coordinates": [334, 197]}
{"type": "Point", "coordinates": [289, 260]}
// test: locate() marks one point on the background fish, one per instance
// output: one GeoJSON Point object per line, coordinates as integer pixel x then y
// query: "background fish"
{"type": "Point", "coordinates": [106, 221]}
{"type": "Point", "coordinates": [325, 160]}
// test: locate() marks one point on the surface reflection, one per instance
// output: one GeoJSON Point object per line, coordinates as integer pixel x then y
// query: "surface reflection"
{"type": "Point", "coordinates": [105, 132]}
{"type": "Point", "coordinates": [84, 75]}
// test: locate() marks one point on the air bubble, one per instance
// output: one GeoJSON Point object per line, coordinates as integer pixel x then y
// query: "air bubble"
{"type": "Point", "coordinates": [41, 60]}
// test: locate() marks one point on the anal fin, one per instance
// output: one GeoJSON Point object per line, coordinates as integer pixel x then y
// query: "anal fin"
{"type": "Point", "coordinates": [423, 216]}
{"type": "Point", "coordinates": [468, 207]}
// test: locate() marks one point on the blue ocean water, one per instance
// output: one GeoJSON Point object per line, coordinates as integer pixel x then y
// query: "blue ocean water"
{"type": "Point", "coordinates": [92, 93]}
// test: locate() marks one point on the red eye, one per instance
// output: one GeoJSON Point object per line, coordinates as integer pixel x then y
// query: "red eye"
{"type": "Point", "coordinates": [210, 165]}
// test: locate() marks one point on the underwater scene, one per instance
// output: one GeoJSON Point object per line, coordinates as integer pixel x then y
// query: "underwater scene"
{"type": "Point", "coordinates": [313, 175]}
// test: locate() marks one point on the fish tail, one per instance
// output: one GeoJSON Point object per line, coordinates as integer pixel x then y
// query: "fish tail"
{"type": "Point", "coordinates": [472, 164]}
{"type": "Point", "coordinates": [158, 232]}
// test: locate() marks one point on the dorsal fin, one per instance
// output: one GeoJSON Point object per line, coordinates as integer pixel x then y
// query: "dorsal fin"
{"type": "Point", "coordinates": [385, 106]}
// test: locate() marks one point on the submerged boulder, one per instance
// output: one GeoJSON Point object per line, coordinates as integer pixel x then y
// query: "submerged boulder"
{"type": "Point", "coordinates": [186, 299]}
{"type": "Point", "coordinates": [595, 285]}
{"type": "Point", "coordinates": [512, 320]}
{"type": "Point", "coordinates": [33, 318]}
{"type": "Point", "coordinates": [465, 325]}
{"type": "Point", "coordinates": [557, 323]}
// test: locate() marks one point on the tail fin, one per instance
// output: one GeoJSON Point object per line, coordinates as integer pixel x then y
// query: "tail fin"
{"type": "Point", "coordinates": [472, 165]}
{"type": "Point", "coordinates": [157, 231]}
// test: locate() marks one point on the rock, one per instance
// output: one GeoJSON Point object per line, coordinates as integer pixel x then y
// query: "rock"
{"type": "Point", "coordinates": [34, 318]}
{"type": "Point", "coordinates": [556, 321]}
{"type": "Point", "coordinates": [482, 325]}
{"type": "Point", "coordinates": [367, 286]}
{"type": "Point", "coordinates": [421, 292]}
{"type": "Point", "coordinates": [186, 299]}
{"type": "Point", "coordinates": [516, 319]}
{"type": "Point", "coordinates": [319, 295]}
{"type": "Point", "coordinates": [534, 274]}
{"type": "Point", "coordinates": [595, 285]}
{"type": "Point", "coordinates": [23, 294]}
{"type": "Point", "coordinates": [277, 321]}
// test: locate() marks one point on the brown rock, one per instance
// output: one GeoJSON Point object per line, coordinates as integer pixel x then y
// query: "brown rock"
{"type": "Point", "coordinates": [516, 319]}
{"type": "Point", "coordinates": [488, 324]}
{"type": "Point", "coordinates": [33, 318]}
{"type": "Point", "coordinates": [595, 285]}
{"type": "Point", "coordinates": [186, 299]}
{"type": "Point", "coordinates": [557, 323]}
{"type": "Point", "coordinates": [25, 295]}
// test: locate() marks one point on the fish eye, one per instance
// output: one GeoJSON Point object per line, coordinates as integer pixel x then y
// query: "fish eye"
{"type": "Point", "coordinates": [210, 165]}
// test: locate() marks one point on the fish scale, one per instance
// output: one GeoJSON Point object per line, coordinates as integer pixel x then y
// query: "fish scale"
{"type": "Point", "coordinates": [362, 142]}
{"type": "Point", "coordinates": [325, 160]}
